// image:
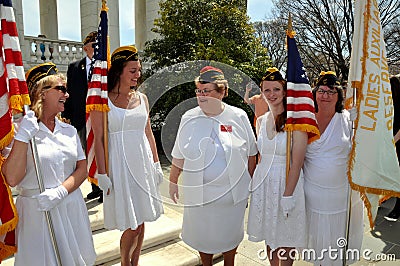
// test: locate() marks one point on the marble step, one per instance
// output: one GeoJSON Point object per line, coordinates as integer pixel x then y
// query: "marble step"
{"type": "Point", "coordinates": [107, 242]}
{"type": "Point", "coordinates": [173, 253]}
{"type": "Point", "coordinates": [166, 228]}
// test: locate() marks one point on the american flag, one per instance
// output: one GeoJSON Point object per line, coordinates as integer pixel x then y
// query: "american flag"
{"type": "Point", "coordinates": [300, 104]}
{"type": "Point", "coordinates": [13, 95]}
{"type": "Point", "coordinates": [97, 88]}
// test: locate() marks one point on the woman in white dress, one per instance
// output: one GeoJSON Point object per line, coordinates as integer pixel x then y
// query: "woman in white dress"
{"type": "Point", "coordinates": [277, 211]}
{"type": "Point", "coordinates": [131, 188]}
{"type": "Point", "coordinates": [64, 169]}
{"type": "Point", "coordinates": [325, 172]}
{"type": "Point", "coordinates": [215, 148]}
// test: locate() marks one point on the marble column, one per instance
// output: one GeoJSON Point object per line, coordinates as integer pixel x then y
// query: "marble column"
{"type": "Point", "coordinates": [90, 11]}
{"type": "Point", "coordinates": [140, 24]}
{"type": "Point", "coordinates": [113, 24]}
{"type": "Point", "coordinates": [19, 19]}
{"type": "Point", "coordinates": [48, 18]}
{"type": "Point", "coordinates": [152, 8]}
{"type": "Point", "coordinates": [90, 18]}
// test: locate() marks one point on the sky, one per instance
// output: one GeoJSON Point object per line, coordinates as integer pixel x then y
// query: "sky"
{"type": "Point", "coordinates": [69, 29]}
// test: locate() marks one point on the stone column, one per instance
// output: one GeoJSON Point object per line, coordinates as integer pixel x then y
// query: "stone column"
{"type": "Point", "coordinates": [113, 24]}
{"type": "Point", "coordinates": [90, 16]}
{"type": "Point", "coordinates": [152, 9]}
{"type": "Point", "coordinates": [140, 24]}
{"type": "Point", "coordinates": [19, 19]}
{"type": "Point", "coordinates": [90, 19]}
{"type": "Point", "coordinates": [48, 18]}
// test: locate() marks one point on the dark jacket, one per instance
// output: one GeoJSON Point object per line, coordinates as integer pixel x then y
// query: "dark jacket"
{"type": "Point", "coordinates": [77, 84]}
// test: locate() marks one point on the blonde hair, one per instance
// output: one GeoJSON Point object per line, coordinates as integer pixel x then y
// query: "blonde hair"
{"type": "Point", "coordinates": [37, 92]}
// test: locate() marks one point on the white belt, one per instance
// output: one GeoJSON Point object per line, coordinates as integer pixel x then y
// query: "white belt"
{"type": "Point", "coordinates": [29, 192]}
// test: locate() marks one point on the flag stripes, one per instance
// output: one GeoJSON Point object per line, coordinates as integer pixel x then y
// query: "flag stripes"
{"type": "Point", "coordinates": [13, 95]}
{"type": "Point", "coordinates": [97, 96]}
{"type": "Point", "coordinates": [300, 103]}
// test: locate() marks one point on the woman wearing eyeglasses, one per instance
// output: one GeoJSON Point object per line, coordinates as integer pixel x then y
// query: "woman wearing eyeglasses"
{"type": "Point", "coordinates": [63, 166]}
{"type": "Point", "coordinates": [325, 171]}
{"type": "Point", "coordinates": [215, 149]}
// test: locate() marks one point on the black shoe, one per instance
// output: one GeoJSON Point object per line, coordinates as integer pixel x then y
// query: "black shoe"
{"type": "Point", "coordinates": [94, 194]}
{"type": "Point", "coordinates": [393, 216]}
{"type": "Point", "coordinates": [100, 198]}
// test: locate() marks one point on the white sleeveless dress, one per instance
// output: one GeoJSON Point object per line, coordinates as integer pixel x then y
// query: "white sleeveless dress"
{"type": "Point", "coordinates": [266, 220]}
{"type": "Point", "coordinates": [326, 190]}
{"type": "Point", "coordinates": [134, 196]}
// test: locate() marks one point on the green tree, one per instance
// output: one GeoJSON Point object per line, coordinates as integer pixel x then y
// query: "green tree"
{"type": "Point", "coordinates": [202, 30]}
{"type": "Point", "coordinates": [205, 30]}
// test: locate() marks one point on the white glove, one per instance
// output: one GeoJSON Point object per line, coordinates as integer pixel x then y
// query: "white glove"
{"type": "Point", "coordinates": [159, 175]}
{"type": "Point", "coordinates": [353, 113]}
{"type": "Point", "coordinates": [287, 203]}
{"type": "Point", "coordinates": [51, 197]}
{"type": "Point", "coordinates": [28, 127]}
{"type": "Point", "coordinates": [104, 182]}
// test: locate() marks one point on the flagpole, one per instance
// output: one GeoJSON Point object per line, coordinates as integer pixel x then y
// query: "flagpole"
{"type": "Point", "coordinates": [105, 115]}
{"type": "Point", "coordinates": [288, 153]}
{"type": "Point", "coordinates": [348, 213]}
{"type": "Point", "coordinates": [289, 132]}
{"type": "Point", "coordinates": [105, 142]}
{"type": "Point", "coordinates": [39, 176]}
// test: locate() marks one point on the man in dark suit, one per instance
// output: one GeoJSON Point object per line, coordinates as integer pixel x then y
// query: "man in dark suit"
{"type": "Point", "coordinates": [75, 107]}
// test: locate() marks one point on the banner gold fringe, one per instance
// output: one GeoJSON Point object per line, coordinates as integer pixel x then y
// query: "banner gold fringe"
{"type": "Point", "coordinates": [16, 102]}
{"type": "Point", "coordinates": [6, 250]}
{"type": "Point", "coordinates": [97, 107]}
{"type": "Point", "coordinates": [25, 99]}
{"type": "Point", "coordinates": [306, 128]}
{"type": "Point", "coordinates": [7, 138]}
{"type": "Point", "coordinates": [93, 180]}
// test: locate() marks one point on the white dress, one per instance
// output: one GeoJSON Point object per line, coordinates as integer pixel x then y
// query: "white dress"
{"type": "Point", "coordinates": [58, 151]}
{"type": "Point", "coordinates": [326, 189]}
{"type": "Point", "coordinates": [134, 197]}
{"type": "Point", "coordinates": [216, 223]}
{"type": "Point", "coordinates": [266, 220]}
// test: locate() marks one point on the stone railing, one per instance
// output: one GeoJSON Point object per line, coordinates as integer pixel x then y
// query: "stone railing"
{"type": "Point", "coordinates": [60, 52]}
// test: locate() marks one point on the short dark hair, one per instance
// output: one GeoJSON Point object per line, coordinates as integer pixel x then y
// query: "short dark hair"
{"type": "Point", "coordinates": [339, 104]}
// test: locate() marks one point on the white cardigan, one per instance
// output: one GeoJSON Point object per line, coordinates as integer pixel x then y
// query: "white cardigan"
{"type": "Point", "coordinates": [238, 141]}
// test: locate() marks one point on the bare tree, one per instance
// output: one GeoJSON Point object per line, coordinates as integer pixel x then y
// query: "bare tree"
{"type": "Point", "coordinates": [325, 30]}
{"type": "Point", "coordinates": [273, 38]}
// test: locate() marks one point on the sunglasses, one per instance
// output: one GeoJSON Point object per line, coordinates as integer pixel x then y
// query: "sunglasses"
{"type": "Point", "coordinates": [61, 88]}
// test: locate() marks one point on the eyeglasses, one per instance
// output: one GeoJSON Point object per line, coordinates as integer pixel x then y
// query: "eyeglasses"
{"type": "Point", "coordinates": [61, 88]}
{"type": "Point", "coordinates": [328, 92]}
{"type": "Point", "coordinates": [198, 91]}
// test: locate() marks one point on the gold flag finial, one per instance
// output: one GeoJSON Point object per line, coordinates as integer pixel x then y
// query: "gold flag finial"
{"type": "Point", "coordinates": [289, 30]}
